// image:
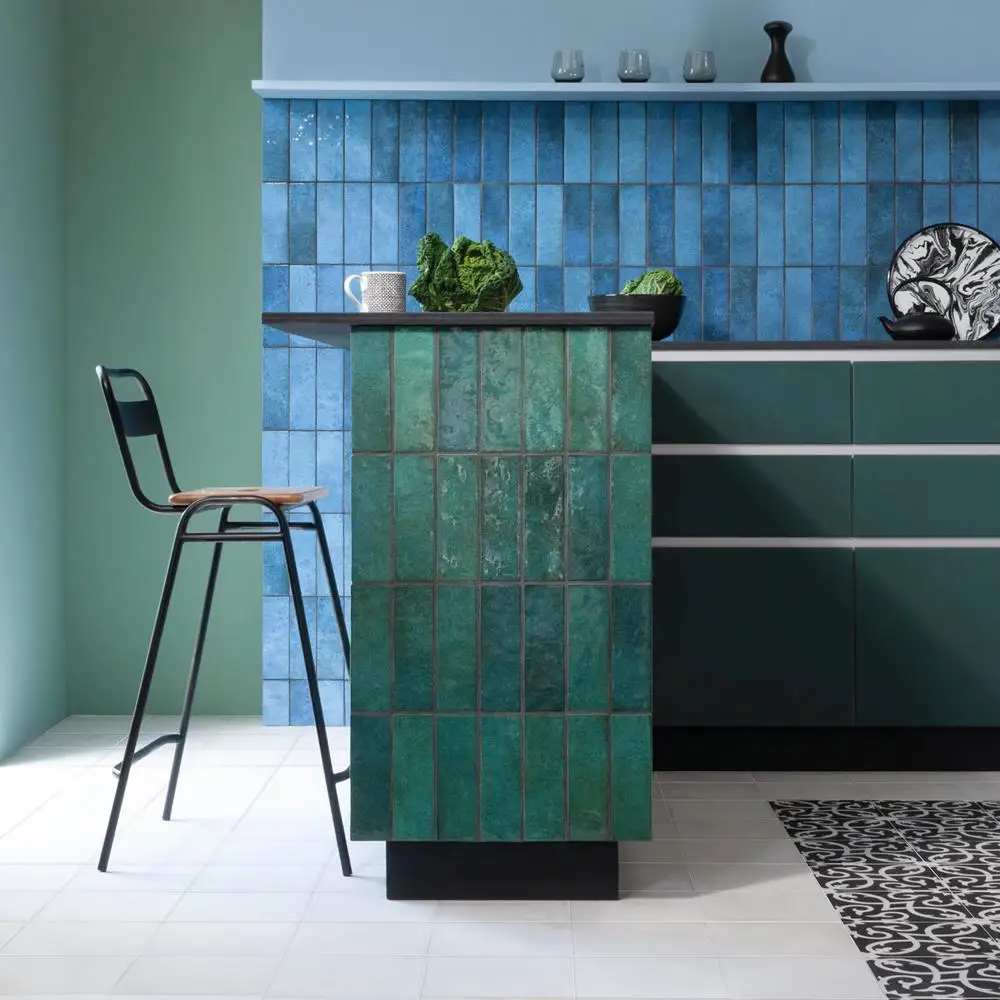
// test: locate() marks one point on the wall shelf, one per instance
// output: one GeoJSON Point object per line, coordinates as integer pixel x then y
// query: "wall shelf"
{"type": "Point", "coordinates": [549, 91]}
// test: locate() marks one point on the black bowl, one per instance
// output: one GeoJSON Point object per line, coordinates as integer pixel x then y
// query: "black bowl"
{"type": "Point", "coordinates": [666, 309]}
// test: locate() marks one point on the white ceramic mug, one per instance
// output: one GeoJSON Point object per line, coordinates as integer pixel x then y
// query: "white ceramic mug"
{"type": "Point", "coordinates": [381, 291]}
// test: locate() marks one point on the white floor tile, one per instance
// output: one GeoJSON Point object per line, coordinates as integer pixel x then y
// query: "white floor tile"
{"type": "Point", "coordinates": [703, 850]}
{"type": "Point", "coordinates": [257, 878]}
{"type": "Point", "coordinates": [399, 938]}
{"type": "Point", "coordinates": [683, 907]}
{"type": "Point", "coordinates": [808, 788]}
{"type": "Point", "coordinates": [794, 978]}
{"type": "Point", "coordinates": [449, 978]}
{"type": "Point", "coordinates": [333, 907]}
{"type": "Point", "coordinates": [669, 777]}
{"type": "Point", "coordinates": [512, 939]}
{"type": "Point", "coordinates": [653, 877]}
{"type": "Point", "coordinates": [21, 907]}
{"type": "Point", "coordinates": [46, 976]}
{"type": "Point", "coordinates": [78, 939]}
{"type": "Point", "coordinates": [240, 907]}
{"type": "Point", "coordinates": [77, 907]}
{"type": "Point", "coordinates": [734, 820]}
{"type": "Point", "coordinates": [650, 850]}
{"type": "Point", "coordinates": [715, 876]}
{"type": "Point", "coordinates": [502, 912]}
{"type": "Point", "coordinates": [762, 905]}
{"type": "Point", "coordinates": [714, 790]}
{"type": "Point", "coordinates": [345, 976]}
{"type": "Point", "coordinates": [36, 877]}
{"type": "Point", "coordinates": [654, 940]}
{"type": "Point", "coordinates": [652, 978]}
{"type": "Point", "coordinates": [221, 940]}
{"type": "Point", "coordinates": [756, 940]}
{"type": "Point", "coordinates": [7, 931]}
{"type": "Point", "coordinates": [134, 878]}
{"type": "Point", "coordinates": [196, 974]}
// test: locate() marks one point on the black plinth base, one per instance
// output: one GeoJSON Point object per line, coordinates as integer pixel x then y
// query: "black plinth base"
{"type": "Point", "coordinates": [422, 870]}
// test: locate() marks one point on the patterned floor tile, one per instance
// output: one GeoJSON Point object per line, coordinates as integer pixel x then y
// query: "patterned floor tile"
{"type": "Point", "coordinates": [852, 874]}
{"type": "Point", "coordinates": [956, 978]}
{"type": "Point", "coordinates": [902, 938]}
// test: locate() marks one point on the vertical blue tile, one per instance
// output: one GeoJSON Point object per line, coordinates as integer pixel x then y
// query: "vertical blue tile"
{"type": "Point", "coordinates": [549, 294]}
{"type": "Point", "coordinates": [826, 303]}
{"type": "Point", "coordinates": [715, 143]}
{"type": "Point", "coordinates": [826, 143]}
{"type": "Point", "coordinates": [964, 140]}
{"type": "Point", "coordinates": [798, 143]}
{"type": "Point", "coordinates": [329, 140]}
{"type": "Point", "coordinates": [743, 143]}
{"type": "Point", "coordinates": [577, 213]}
{"type": "Point", "coordinates": [743, 224]}
{"type": "Point", "coordinates": [385, 141]}
{"type": "Point", "coordinates": [577, 281]}
{"type": "Point", "coordinates": [358, 223]}
{"type": "Point", "coordinates": [770, 142]}
{"type": "Point", "coordinates": [301, 223]}
{"type": "Point", "coordinates": [441, 211]}
{"type": "Point", "coordinates": [549, 226]}
{"type": "Point", "coordinates": [274, 287]}
{"type": "Point", "coordinates": [627, 274]}
{"type": "Point", "coordinates": [577, 143]}
{"type": "Point", "coordinates": [632, 142]}
{"type": "Point", "coordinates": [275, 709]}
{"type": "Point", "coordinates": [412, 220]}
{"type": "Point", "coordinates": [302, 291]}
{"type": "Point", "coordinates": [274, 223]}
{"type": "Point", "coordinates": [853, 142]}
{"type": "Point", "coordinates": [469, 141]}
{"type": "Point", "coordinates": [935, 204]}
{"type": "Point", "coordinates": [275, 379]}
{"type": "Point", "coordinates": [909, 141]}
{"type": "Point", "coordinates": [330, 288]}
{"type": "Point", "coordinates": [771, 225]}
{"type": "Point", "coordinates": [798, 224]}
{"type": "Point", "coordinates": [412, 141]}
{"type": "Point", "coordinates": [604, 280]}
{"type": "Point", "coordinates": [358, 140]}
{"type": "Point", "coordinates": [881, 223]}
{"type": "Point", "coordinates": [274, 457]}
{"type": "Point", "coordinates": [853, 224]}
{"type": "Point", "coordinates": [385, 224]}
{"type": "Point", "coordinates": [525, 302]}
{"type": "Point", "coordinates": [440, 139]}
{"type": "Point", "coordinates": [604, 142]}
{"type": "Point", "coordinates": [690, 326]}
{"type": "Point", "coordinates": [411, 271]}
{"type": "Point", "coordinates": [302, 390]}
{"type": "Point", "coordinates": [522, 141]}
{"type": "Point", "coordinates": [302, 141]}
{"type": "Point", "coordinates": [826, 224]}
{"type": "Point", "coordinates": [852, 303]}
{"type": "Point", "coordinates": [798, 303]}
{"type": "Point", "coordinates": [660, 213]}
{"type": "Point", "coordinates": [496, 210]}
{"type": "Point", "coordinates": [469, 210]}
{"type": "Point", "coordinates": [496, 140]}
{"type": "Point", "coordinates": [687, 142]}
{"type": "Point", "coordinates": [302, 457]}
{"type": "Point", "coordinates": [881, 141]}
{"type": "Point", "coordinates": [715, 226]}
{"type": "Point", "coordinates": [275, 573]}
{"type": "Point", "coordinates": [604, 223]}
{"type": "Point", "coordinates": [770, 303]}
{"type": "Point", "coordinates": [965, 204]}
{"type": "Point", "coordinates": [330, 223]}
{"type": "Point", "coordinates": [687, 225]}
{"type": "Point", "coordinates": [715, 303]}
{"type": "Point", "coordinates": [550, 143]}
{"type": "Point", "coordinates": [659, 142]}
{"type": "Point", "coordinates": [743, 303]}
{"type": "Point", "coordinates": [632, 224]}
{"type": "Point", "coordinates": [989, 208]}
{"type": "Point", "coordinates": [909, 211]}
{"type": "Point", "coordinates": [275, 156]}
{"type": "Point", "coordinates": [876, 298]}
{"type": "Point", "coordinates": [937, 141]}
{"type": "Point", "coordinates": [330, 469]}
{"type": "Point", "coordinates": [989, 141]}
{"type": "Point", "coordinates": [522, 223]}
{"type": "Point", "coordinates": [330, 401]}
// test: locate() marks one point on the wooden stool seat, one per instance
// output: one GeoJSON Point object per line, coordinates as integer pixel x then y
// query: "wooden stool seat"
{"type": "Point", "coordinates": [286, 496]}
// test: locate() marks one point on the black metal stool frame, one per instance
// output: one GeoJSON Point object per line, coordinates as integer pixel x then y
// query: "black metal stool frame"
{"type": "Point", "coordinates": [140, 418]}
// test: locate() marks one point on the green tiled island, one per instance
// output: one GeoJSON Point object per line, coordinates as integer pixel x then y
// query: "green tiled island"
{"type": "Point", "coordinates": [501, 571]}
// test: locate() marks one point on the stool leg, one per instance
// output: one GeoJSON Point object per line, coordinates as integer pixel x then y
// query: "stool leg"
{"type": "Point", "coordinates": [331, 579]}
{"type": "Point", "coordinates": [143, 695]}
{"type": "Point", "coordinates": [199, 647]}
{"type": "Point", "coordinates": [317, 705]}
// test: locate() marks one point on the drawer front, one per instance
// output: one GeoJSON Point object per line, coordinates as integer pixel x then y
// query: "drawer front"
{"type": "Point", "coordinates": [927, 402]}
{"type": "Point", "coordinates": [756, 496]}
{"type": "Point", "coordinates": [735, 402]}
{"type": "Point", "coordinates": [753, 637]}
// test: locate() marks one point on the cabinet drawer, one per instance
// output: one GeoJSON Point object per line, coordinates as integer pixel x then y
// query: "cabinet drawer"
{"type": "Point", "coordinates": [753, 637]}
{"type": "Point", "coordinates": [734, 402]}
{"type": "Point", "coordinates": [762, 496]}
{"type": "Point", "coordinates": [918, 402]}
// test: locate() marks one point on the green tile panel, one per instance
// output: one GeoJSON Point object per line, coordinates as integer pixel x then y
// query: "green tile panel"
{"type": "Point", "coordinates": [501, 497]}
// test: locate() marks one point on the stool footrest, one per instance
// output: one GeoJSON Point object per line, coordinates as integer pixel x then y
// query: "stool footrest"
{"type": "Point", "coordinates": [160, 741]}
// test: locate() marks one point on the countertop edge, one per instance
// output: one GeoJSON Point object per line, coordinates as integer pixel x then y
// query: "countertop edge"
{"type": "Point", "coordinates": [286, 320]}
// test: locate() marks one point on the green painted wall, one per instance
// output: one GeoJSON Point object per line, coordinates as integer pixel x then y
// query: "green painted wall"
{"type": "Point", "coordinates": [32, 679]}
{"type": "Point", "coordinates": [163, 239]}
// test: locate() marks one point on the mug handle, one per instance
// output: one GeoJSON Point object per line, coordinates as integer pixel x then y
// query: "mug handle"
{"type": "Point", "coordinates": [349, 293]}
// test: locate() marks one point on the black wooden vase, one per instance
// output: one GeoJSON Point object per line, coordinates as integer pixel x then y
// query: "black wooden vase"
{"type": "Point", "coordinates": [778, 68]}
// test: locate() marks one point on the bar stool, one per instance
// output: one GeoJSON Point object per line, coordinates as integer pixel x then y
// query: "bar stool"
{"type": "Point", "coordinates": [141, 418]}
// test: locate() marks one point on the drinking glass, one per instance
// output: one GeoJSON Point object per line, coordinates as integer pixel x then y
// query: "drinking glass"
{"type": "Point", "coordinates": [567, 66]}
{"type": "Point", "coordinates": [699, 66]}
{"type": "Point", "coordinates": [633, 66]}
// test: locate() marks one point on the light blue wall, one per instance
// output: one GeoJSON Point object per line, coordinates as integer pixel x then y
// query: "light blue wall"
{"type": "Point", "coordinates": [870, 41]}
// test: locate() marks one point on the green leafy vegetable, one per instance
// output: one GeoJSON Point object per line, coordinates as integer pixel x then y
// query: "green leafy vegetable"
{"type": "Point", "coordinates": [656, 282]}
{"type": "Point", "coordinates": [466, 277]}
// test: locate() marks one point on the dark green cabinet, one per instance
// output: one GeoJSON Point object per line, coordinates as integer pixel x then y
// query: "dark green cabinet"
{"type": "Point", "coordinates": [928, 637]}
{"type": "Point", "coordinates": [753, 637]}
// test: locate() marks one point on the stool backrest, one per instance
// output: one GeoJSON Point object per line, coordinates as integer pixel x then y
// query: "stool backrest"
{"type": "Point", "coordinates": [133, 419]}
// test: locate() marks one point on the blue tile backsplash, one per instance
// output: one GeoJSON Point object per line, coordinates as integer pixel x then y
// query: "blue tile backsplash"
{"type": "Point", "coordinates": [780, 220]}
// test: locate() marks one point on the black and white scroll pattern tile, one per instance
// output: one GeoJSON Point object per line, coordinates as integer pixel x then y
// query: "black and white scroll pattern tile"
{"type": "Point", "coordinates": [917, 884]}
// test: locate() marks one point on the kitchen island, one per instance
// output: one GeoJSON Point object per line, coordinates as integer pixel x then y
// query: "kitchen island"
{"type": "Point", "coordinates": [501, 588]}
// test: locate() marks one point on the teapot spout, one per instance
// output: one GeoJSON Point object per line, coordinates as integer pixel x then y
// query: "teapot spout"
{"type": "Point", "coordinates": [888, 324]}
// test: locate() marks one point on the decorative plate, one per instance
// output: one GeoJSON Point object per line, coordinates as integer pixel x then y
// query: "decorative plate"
{"type": "Point", "coordinates": [965, 261]}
